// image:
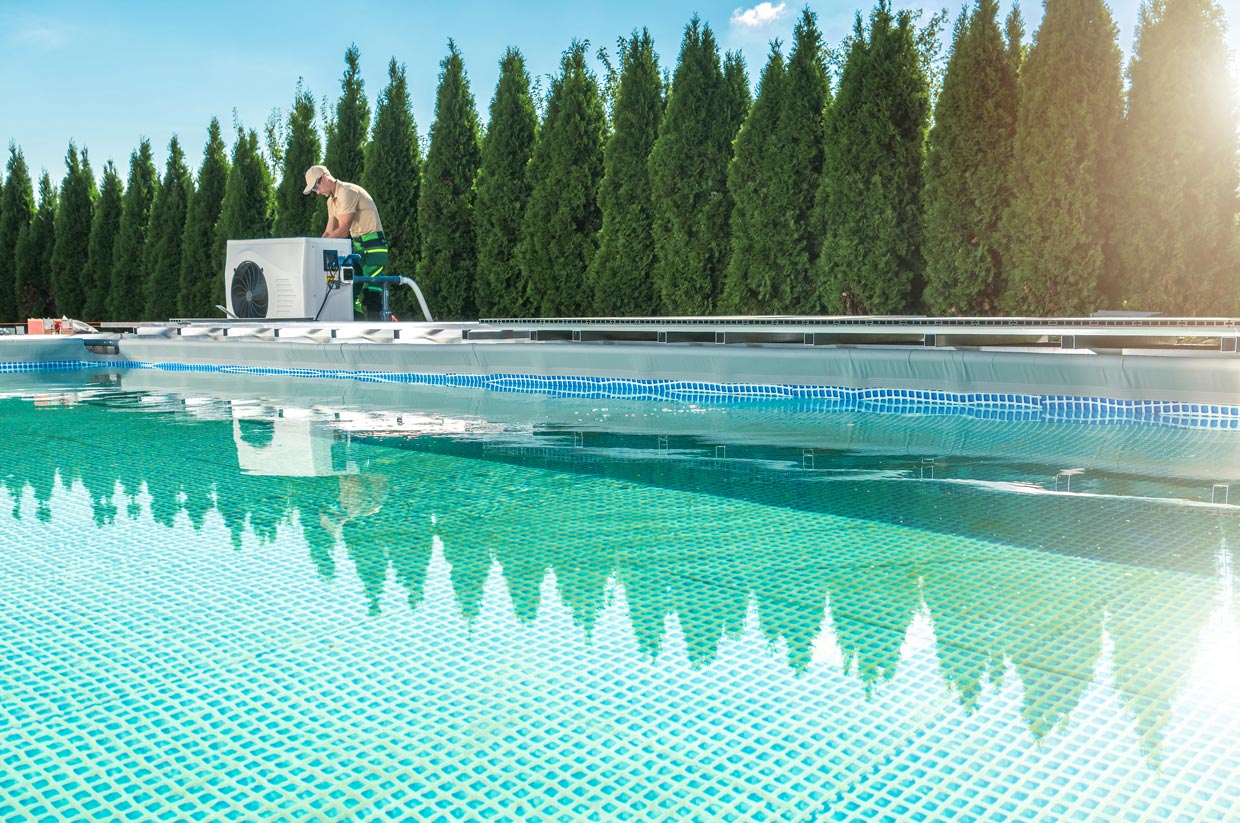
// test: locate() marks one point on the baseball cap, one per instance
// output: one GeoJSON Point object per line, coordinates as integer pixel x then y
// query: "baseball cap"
{"type": "Point", "coordinates": [312, 176]}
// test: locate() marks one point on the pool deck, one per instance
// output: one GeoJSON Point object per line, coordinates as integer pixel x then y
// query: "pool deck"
{"type": "Point", "coordinates": [997, 362]}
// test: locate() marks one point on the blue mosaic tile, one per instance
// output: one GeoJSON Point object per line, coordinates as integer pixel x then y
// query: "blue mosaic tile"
{"type": "Point", "coordinates": [978, 405]}
{"type": "Point", "coordinates": [45, 365]}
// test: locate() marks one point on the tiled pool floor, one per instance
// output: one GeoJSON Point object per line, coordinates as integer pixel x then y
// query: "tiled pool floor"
{"type": "Point", "coordinates": [213, 612]}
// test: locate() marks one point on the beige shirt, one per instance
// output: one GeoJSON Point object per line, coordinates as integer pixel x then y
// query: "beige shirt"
{"type": "Point", "coordinates": [350, 198]}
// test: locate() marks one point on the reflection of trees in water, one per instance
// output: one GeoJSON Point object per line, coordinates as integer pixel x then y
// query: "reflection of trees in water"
{"type": "Point", "coordinates": [1054, 651]}
{"type": "Point", "coordinates": [701, 559]}
{"type": "Point", "coordinates": [256, 432]}
{"type": "Point", "coordinates": [1044, 616]}
{"type": "Point", "coordinates": [965, 628]}
{"type": "Point", "coordinates": [1147, 674]}
{"type": "Point", "coordinates": [873, 600]}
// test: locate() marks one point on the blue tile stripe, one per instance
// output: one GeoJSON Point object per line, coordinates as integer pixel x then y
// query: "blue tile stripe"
{"type": "Point", "coordinates": [46, 365]}
{"type": "Point", "coordinates": [980, 405]}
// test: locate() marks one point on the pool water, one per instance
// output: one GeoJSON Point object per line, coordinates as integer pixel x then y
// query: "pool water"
{"type": "Point", "coordinates": [283, 603]}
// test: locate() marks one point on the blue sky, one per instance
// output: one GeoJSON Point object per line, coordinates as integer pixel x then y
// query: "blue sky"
{"type": "Point", "coordinates": [106, 75]}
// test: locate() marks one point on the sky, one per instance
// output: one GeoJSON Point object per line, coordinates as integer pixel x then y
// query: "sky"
{"type": "Point", "coordinates": [106, 75]}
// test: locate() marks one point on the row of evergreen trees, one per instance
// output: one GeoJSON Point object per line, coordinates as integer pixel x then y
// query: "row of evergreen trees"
{"type": "Point", "coordinates": [151, 248]}
{"type": "Point", "coordinates": [1043, 186]}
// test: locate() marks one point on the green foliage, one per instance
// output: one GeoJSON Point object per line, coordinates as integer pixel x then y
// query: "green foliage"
{"type": "Point", "coordinates": [73, 219]}
{"type": "Point", "coordinates": [202, 283]}
{"type": "Point", "coordinates": [393, 177]}
{"type": "Point", "coordinates": [928, 40]}
{"type": "Point", "coordinates": [248, 196]}
{"type": "Point", "coordinates": [622, 272]}
{"type": "Point", "coordinates": [559, 234]}
{"type": "Point", "coordinates": [802, 128]}
{"type": "Point", "coordinates": [757, 276]}
{"type": "Point", "coordinates": [609, 84]}
{"type": "Point", "coordinates": [162, 257]}
{"type": "Point", "coordinates": [16, 212]}
{"type": "Point", "coordinates": [968, 170]}
{"type": "Point", "coordinates": [775, 171]}
{"type": "Point", "coordinates": [736, 92]}
{"type": "Point", "coordinates": [103, 232]}
{"type": "Point", "coordinates": [1059, 223]}
{"type": "Point", "coordinates": [32, 266]}
{"type": "Point", "coordinates": [347, 131]}
{"type": "Point", "coordinates": [869, 202]}
{"type": "Point", "coordinates": [1178, 178]}
{"type": "Point", "coordinates": [449, 258]}
{"type": "Point", "coordinates": [503, 191]}
{"type": "Point", "coordinates": [295, 212]}
{"type": "Point", "coordinates": [1014, 35]}
{"type": "Point", "coordinates": [125, 299]}
{"type": "Point", "coordinates": [688, 179]}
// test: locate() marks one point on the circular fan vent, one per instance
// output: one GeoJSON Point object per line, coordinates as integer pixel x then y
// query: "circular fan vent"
{"type": "Point", "coordinates": [249, 291]}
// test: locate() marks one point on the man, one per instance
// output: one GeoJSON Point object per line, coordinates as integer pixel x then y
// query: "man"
{"type": "Point", "coordinates": [351, 213]}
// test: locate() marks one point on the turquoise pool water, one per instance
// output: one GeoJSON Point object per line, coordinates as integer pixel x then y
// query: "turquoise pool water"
{"type": "Point", "coordinates": [276, 599]}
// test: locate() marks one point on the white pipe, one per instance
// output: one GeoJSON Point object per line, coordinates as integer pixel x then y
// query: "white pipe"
{"type": "Point", "coordinates": [421, 300]}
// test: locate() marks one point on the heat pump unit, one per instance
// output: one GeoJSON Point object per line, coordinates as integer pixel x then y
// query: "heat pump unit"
{"type": "Point", "coordinates": [284, 279]}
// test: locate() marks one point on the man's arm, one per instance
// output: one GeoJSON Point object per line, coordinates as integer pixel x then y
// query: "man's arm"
{"type": "Point", "coordinates": [338, 226]}
{"type": "Point", "coordinates": [345, 199]}
{"type": "Point", "coordinates": [343, 222]}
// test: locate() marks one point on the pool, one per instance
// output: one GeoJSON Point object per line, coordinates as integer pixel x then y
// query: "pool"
{"type": "Point", "coordinates": [262, 597]}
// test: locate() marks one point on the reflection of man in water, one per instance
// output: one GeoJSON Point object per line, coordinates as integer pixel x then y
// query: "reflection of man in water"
{"type": "Point", "coordinates": [361, 495]}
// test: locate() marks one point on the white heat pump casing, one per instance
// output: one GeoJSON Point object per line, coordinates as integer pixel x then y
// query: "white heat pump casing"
{"type": "Point", "coordinates": [292, 268]}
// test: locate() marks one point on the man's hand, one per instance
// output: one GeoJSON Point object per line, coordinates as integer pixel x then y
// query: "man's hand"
{"type": "Point", "coordinates": [338, 226]}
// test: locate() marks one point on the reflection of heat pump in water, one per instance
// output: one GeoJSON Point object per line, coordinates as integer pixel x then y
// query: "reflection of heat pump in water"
{"type": "Point", "coordinates": [284, 279]}
{"type": "Point", "coordinates": [287, 445]}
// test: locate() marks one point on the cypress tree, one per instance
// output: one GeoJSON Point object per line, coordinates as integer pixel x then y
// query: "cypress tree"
{"type": "Point", "coordinates": [1014, 34]}
{"type": "Point", "coordinates": [1059, 223]}
{"type": "Point", "coordinates": [32, 266]}
{"type": "Point", "coordinates": [758, 277]}
{"type": "Point", "coordinates": [968, 169]}
{"type": "Point", "coordinates": [295, 212]}
{"type": "Point", "coordinates": [778, 167]}
{"type": "Point", "coordinates": [623, 269]}
{"type": "Point", "coordinates": [449, 258]}
{"type": "Point", "coordinates": [737, 101]}
{"type": "Point", "coordinates": [248, 197]}
{"type": "Point", "coordinates": [202, 283]}
{"type": "Point", "coordinates": [503, 191]}
{"type": "Point", "coordinates": [393, 177]}
{"type": "Point", "coordinates": [802, 132]}
{"type": "Point", "coordinates": [1178, 171]}
{"type": "Point", "coordinates": [103, 232]}
{"type": "Point", "coordinates": [125, 297]}
{"type": "Point", "coordinates": [162, 257]}
{"type": "Point", "coordinates": [16, 212]}
{"type": "Point", "coordinates": [559, 234]}
{"type": "Point", "coordinates": [736, 92]}
{"type": "Point", "coordinates": [347, 132]}
{"type": "Point", "coordinates": [688, 179]}
{"type": "Point", "coordinates": [74, 215]}
{"type": "Point", "coordinates": [869, 201]}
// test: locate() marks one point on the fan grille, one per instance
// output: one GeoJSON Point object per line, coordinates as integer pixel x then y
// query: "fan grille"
{"type": "Point", "coordinates": [249, 291]}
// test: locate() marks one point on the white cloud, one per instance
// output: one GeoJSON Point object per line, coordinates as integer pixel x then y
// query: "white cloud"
{"type": "Point", "coordinates": [759, 16]}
